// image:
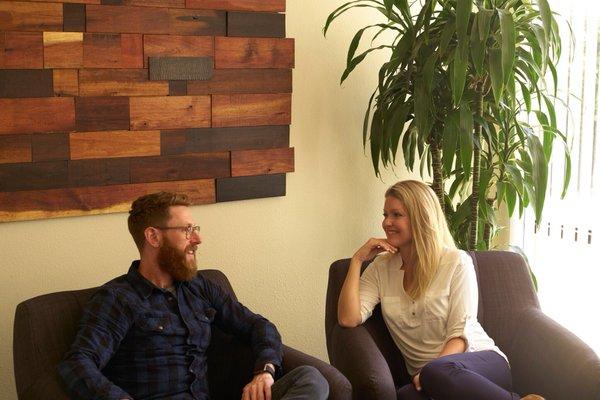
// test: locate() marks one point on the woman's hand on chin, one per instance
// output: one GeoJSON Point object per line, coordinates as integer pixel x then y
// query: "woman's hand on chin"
{"type": "Point", "coordinates": [373, 247]}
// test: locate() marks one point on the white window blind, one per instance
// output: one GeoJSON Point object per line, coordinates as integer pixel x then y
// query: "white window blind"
{"type": "Point", "coordinates": [564, 253]}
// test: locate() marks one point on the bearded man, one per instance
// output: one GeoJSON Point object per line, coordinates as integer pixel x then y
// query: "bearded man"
{"type": "Point", "coordinates": [144, 335]}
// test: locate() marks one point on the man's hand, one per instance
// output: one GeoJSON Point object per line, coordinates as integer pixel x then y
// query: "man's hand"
{"type": "Point", "coordinates": [417, 382]}
{"type": "Point", "coordinates": [259, 388]}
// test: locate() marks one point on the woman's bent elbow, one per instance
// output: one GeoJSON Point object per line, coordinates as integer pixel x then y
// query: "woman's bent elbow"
{"type": "Point", "coordinates": [348, 322]}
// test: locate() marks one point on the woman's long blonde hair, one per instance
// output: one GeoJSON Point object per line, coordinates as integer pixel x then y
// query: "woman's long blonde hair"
{"type": "Point", "coordinates": [430, 233]}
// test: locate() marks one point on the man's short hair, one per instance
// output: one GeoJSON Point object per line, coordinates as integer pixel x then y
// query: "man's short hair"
{"type": "Point", "coordinates": [152, 210]}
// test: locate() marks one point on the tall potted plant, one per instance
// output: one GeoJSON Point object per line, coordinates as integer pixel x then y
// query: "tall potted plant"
{"type": "Point", "coordinates": [460, 77]}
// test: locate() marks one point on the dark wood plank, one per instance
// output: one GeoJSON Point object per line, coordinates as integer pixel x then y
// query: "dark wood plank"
{"type": "Point", "coordinates": [15, 149]}
{"type": "Point", "coordinates": [54, 147]}
{"type": "Point", "coordinates": [28, 205]}
{"type": "Point", "coordinates": [170, 112]}
{"type": "Point", "coordinates": [191, 166]}
{"type": "Point", "coordinates": [146, 3]}
{"type": "Point", "coordinates": [23, 16]}
{"type": "Point", "coordinates": [33, 176]}
{"type": "Point", "coordinates": [63, 49]}
{"type": "Point", "coordinates": [245, 5]}
{"type": "Point", "coordinates": [263, 80]}
{"type": "Point", "coordinates": [262, 162]}
{"type": "Point", "coordinates": [224, 139]}
{"type": "Point", "coordinates": [112, 51]}
{"type": "Point", "coordinates": [26, 83]}
{"type": "Point", "coordinates": [180, 68]}
{"type": "Point", "coordinates": [233, 52]}
{"type": "Point", "coordinates": [100, 172]}
{"type": "Point", "coordinates": [21, 50]}
{"type": "Point", "coordinates": [51, 114]}
{"type": "Point", "coordinates": [119, 82]}
{"type": "Point", "coordinates": [66, 82]}
{"type": "Point", "coordinates": [177, 88]}
{"type": "Point", "coordinates": [114, 144]}
{"type": "Point", "coordinates": [178, 46]}
{"type": "Point", "coordinates": [251, 109]}
{"type": "Point", "coordinates": [250, 187]}
{"type": "Point", "coordinates": [253, 24]}
{"type": "Point", "coordinates": [174, 21]}
{"type": "Point", "coordinates": [102, 113]}
{"type": "Point", "coordinates": [73, 17]}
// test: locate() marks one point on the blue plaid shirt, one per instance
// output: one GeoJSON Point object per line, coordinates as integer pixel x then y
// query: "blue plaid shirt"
{"type": "Point", "coordinates": [138, 341]}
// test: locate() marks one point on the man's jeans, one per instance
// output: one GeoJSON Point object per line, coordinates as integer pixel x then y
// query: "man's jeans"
{"type": "Point", "coordinates": [302, 383]}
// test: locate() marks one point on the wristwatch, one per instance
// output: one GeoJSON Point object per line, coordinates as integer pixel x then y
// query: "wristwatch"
{"type": "Point", "coordinates": [266, 368]}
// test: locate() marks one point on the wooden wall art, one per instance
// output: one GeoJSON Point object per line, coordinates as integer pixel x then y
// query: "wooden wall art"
{"type": "Point", "coordinates": [102, 101]}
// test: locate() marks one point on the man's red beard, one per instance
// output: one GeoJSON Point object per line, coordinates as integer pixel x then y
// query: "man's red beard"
{"type": "Point", "coordinates": [175, 263]}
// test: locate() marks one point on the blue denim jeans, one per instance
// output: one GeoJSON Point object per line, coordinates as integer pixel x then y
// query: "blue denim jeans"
{"type": "Point", "coordinates": [302, 383]}
{"type": "Point", "coordinates": [464, 376]}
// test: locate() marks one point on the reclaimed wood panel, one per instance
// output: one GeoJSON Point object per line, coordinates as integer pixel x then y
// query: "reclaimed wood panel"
{"type": "Point", "coordinates": [45, 147]}
{"type": "Point", "coordinates": [250, 187]}
{"type": "Point", "coordinates": [251, 109]}
{"type": "Point", "coordinates": [262, 162]}
{"type": "Point", "coordinates": [246, 24]}
{"type": "Point", "coordinates": [258, 80]}
{"type": "Point", "coordinates": [189, 166]}
{"type": "Point", "coordinates": [52, 114]}
{"type": "Point", "coordinates": [21, 50]}
{"type": "Point", "coordinates": [177, 46]}
{"type": "Point", "coordinates": [146, 3]}
{"type": "Point", "coordinates": [26, 83]}
{"type": "Point", "coordinates": [125, 19]}
{"type": "Point", "coordinates": [112, 51]}
{"type": "Point", "coordinates": [15, 149]}
{"type": "Point", "coordinates": [99, 172]}
{"type": "Point", "coordinates": [33, 176]}
{"type": "Point", "coordinates": [28, 205]}
{"type": "Point", "coordinates": [65, 82]}
{"type": "Point", "coordinates": [68, 1]}
{"type": "Point", "coordinates": [73, 17]}
{"type": "Point", "coordinates": [178, 88]}
{"type": "Point", "coordinates": [180, 68]}
{"type": "Point", "coordinates": [170, 112]}
{"type": "Point", "coordinates": [63, 49]}
{"type": "Point", "coordinates": [233, 52]}
{"type": "Point", "coordinates": [224, 139]}
{"type": "Point", "coordinates": [23, 16]}
{"type": "Point", "coordinates": [114, 144]}
{"type": "Point", "coordinates": [119, 82]}
{"type": "Point", "coordinates": [246, 5]}
{"type": "Point", "coordinates": [102, 113]}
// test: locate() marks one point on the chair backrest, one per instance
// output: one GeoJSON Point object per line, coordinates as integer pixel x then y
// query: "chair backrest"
{"type": "Point", "coordinates": [505, 288]}
{"type": "Point", "coordinates": [45, 327]}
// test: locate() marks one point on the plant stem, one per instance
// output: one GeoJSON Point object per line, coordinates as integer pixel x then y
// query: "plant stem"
{"type": "Point", "coordinates": [476, 166]}
{"type": "Point", "coordinates": [436, 163]}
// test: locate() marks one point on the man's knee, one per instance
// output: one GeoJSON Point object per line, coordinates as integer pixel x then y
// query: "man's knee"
{"type": "Point", "coordinates": [310, 377]}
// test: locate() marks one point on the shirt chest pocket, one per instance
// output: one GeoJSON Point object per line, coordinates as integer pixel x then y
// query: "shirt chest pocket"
{"type": "Point", "coordinates": [158, 329]}
{"type": "Point", "coordinates": [399, 313]}
{"type": "Point", "coordinates": [437, 304]}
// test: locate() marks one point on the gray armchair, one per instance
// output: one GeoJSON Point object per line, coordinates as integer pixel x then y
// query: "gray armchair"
{"type": "Point", "coordinates": [45, 327]}
{"type": "Point", "coordinates": [545, 357]}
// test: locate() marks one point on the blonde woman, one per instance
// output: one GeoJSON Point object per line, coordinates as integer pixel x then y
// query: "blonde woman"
{"type": "Point", "coordinates": [428, 294]}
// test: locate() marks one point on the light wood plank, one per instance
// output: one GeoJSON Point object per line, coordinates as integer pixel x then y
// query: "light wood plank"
{"type": "Point", "coordinates": [119, 82]}
{"type": "Point", "coordinates": [54, 114]}
{"type": "Point", "coordinates": [251, 109]}
{"type": "Point", "coordinates": [169, 112]}
{"type": "Point", "coordinates": [246, 5]}
{"type": "Point", "coordinates": [262, 162]}
{"type": "Point", "coordinates": [234, 52]}
{"type": "Point", "coordinates": [114, 144]}
{"type": "Point", "coordinates": [63, 49]}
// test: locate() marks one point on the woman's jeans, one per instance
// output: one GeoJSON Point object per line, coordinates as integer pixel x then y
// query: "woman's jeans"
{"type": "Point", "coordinates": [463, 376]}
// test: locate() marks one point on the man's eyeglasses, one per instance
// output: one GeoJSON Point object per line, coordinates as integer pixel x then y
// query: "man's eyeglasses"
{"type": "Point", "coordinates": [189, 230]}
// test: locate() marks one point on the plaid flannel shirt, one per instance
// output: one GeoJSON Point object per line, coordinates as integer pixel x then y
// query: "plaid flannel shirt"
{"type": "Point", "coordinates": [138, 341]}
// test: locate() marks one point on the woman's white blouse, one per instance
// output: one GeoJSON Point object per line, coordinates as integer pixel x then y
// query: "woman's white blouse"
{"type": "Point", "coordinates": [420, 328]}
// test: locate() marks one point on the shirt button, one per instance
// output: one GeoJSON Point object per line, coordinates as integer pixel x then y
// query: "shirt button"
{"type": "Point", "coordinates": [413, 313]}
{"type": "Point", "coordinates": [160, 328]}
{"type": "Point", "coordinates": [191, 370]}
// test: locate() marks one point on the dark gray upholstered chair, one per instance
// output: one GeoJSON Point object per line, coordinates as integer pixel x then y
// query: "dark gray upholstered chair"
{"type": "Point", "coordinates": [45, 327]}
{"type": "Point", "coordinates": [545, 357]}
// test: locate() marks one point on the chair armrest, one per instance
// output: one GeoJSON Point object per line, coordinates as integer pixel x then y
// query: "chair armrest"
{"type": "Point", "coordinates": [548, 359]}
{"type": "Point", "coordinates": [355, 354]}
{"type": "Point", "coordinates": [46, 387]}
{"type": "Point", "coordinates": [339, 387]}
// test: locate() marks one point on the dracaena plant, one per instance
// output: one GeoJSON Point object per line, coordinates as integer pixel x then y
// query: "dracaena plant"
{"type": "Point", "coordinates": [461, 80]}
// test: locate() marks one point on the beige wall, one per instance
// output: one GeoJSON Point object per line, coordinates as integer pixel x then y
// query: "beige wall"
{"type": "Point", "coordinates": [276, 252]}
